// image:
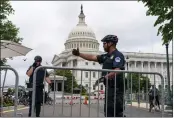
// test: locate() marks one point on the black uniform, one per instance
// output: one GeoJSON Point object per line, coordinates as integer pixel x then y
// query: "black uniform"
{"type": "Point", "coordinates": [39, 90]}
{"type": "Point", "coordinates": [154, 94]}
{"type": "Point", "coordinates": [112, 61]}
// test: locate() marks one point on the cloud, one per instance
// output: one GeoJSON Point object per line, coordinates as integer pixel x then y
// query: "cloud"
{"type": "Point", "coordinates": [45, 26]}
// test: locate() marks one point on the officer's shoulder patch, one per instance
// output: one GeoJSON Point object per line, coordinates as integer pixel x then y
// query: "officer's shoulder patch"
{"type": "Point", "coordinates": [117, 59]}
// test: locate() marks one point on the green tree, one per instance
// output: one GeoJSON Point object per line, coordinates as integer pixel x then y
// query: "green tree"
{"type": "Point", "coordinates": [136, 78]}
{"type": "Point", "coordinates": [68, 82]}
{"type": "Point", "coordinates": [83, 89]}
{"type": "Point", "coordinates": [8, 31]}
{"type": "Point", "coordinates": [145, 82]}
{"type": "Point", "coordinates": [163, 9]}
{"type": "Point", "coordinates": [10, 91]}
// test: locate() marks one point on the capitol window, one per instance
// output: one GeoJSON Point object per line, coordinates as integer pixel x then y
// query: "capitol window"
{"type": "Point", "coordinates": [64, 64]}
{"type": "Point", "coordinates": [86, 74]}
{"type": "Point", "coordinates": [86, 85]}
{"type": "Point", "coordinates": [93, 74]}
{"type": "Point", "coordinates": [93, 87]}
{"type": "Point", "coordinates": [74, 62]}
{"type": "Point", "coordinates": [166, 86]}
{"type": "Point", "coordinates": [86, 63]}
{"type": "Point", "coordinates": [101, 87]}
{"type": "Point", "coordinates": [80, 44]}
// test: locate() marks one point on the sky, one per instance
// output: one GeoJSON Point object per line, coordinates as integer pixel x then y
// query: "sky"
{"type": "Point", "coordinates": [45, 25]}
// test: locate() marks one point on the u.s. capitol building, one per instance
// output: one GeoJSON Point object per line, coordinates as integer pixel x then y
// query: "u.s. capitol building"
{"type": "Point", "coordinates": [82, 36]}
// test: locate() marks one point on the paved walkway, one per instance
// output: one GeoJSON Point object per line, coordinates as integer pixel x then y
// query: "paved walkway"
{"type": "Point", "coordinates": [146, 105]}
{"type": "Point", "coordinates": [12, 107]}
{"type": "Point", "coordinates": [91, 110]}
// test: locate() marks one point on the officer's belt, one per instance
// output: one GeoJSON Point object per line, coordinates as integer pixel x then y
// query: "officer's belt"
{"type": "Point", "coordinates": [117, 89]}
{"type": "Point", "coordinates": [30, 85]}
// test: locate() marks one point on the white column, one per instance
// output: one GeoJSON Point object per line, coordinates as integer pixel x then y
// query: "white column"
{"type": "Point", "coordinates": [135, 63]}
{"type": "Point", "coordinates": [149, 66]}
{"type": "Point", "coordinates": [71, 63]}
{"type": "Point", "coordinates": [142, 65]}
{"type": "Point", "coordinates": [162, 72]}
{"type": "Point", "coordinates": [149, 70]}
{"type": "Point", "coordinates": [156, 81]}
{"type": "Point", "coordinates": [155, 66]}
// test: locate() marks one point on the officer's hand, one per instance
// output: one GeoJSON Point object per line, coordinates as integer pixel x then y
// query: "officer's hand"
{"type": "Point", "coordinates": [100, 80]}
{"type": "Point", "coordinates": [34, 64]}
{"type": "Point", "coordinates": [76, 52]}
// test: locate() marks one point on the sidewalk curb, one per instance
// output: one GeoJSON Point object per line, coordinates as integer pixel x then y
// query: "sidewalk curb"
{"type": "Point", "coordinates": [22, 108]}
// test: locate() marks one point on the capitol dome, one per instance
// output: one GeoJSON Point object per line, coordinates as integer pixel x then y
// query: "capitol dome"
{"type": "Point", "coordinates": [82, 36]}
{"type": "Point", "coordinates": [81, 31]}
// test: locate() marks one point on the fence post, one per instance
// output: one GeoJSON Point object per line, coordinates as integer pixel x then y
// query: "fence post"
{"type": "Point", "coordinates": [16, 88]}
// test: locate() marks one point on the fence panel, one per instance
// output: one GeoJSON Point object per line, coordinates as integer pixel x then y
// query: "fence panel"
{"type": "Point", "coordinates": [2, 88]}
{"type": "Point", "coordinates": [98, 103]}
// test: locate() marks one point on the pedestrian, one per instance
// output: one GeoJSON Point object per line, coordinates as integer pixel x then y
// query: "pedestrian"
{"type": "Point", "coordinates": [41, 73]}
{"type": "Point", "coordinates": [153, 95]}
{"type": "Point", "coordinates": [115, 60]}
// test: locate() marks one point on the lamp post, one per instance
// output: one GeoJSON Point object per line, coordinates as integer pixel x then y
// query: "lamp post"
{"type": "Point", "coordinates": [169, 102]}
{"type": "Point", "coordinates": [128, 97]}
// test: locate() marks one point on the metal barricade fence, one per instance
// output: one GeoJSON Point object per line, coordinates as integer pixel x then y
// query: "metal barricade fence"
{"type": "Point", "coordinates": [16, 88]}
{"type": "Point", "coordinates": [127, 93]}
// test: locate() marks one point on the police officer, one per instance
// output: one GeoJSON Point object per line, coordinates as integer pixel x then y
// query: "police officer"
{"type": "Point", "coordinates": [39, 84]}
{"type": "Point", "coordinates": [113, 59]}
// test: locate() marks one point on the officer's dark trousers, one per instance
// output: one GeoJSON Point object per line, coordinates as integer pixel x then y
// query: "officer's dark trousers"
{"type": "Point", "coordinates": [38, 101]}
{"type": "Point", "coordinates": [110, 103]}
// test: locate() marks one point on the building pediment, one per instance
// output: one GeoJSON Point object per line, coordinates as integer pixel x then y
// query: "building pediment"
{"type": "Point", "coordinates": [54, 58]}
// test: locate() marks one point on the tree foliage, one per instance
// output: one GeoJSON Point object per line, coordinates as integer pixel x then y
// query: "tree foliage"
{"type": "Point", "coordinates": [68, 82]}
{"type": "Point", "coordinates": [163, 9]}
{"type": "Point", "coordinates": [83, 89]}
{"type": "Point", "coordinates": [138, 81]}
{"type": "Point", "coordinates": [8, 31]}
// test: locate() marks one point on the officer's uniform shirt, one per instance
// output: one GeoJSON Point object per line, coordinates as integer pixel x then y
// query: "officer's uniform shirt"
{"type": "Point", "coordinates": [39, 76]}
{"type": "Point", "coordinates": [111, 61]}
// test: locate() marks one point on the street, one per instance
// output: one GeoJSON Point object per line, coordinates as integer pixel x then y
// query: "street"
{"type": "Point", "coordinates": [86, 111]}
